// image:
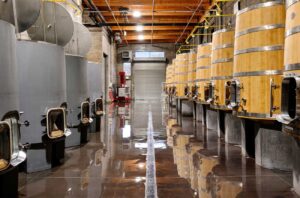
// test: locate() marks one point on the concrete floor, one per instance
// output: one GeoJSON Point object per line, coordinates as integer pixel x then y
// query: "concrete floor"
{"type": "Point", "coordinates": [113, 163]}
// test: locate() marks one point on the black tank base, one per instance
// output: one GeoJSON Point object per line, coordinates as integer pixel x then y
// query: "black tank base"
{"type": "Point", "coordinates": [98, 123]}
{"type": "Point", "coordinates": [84, 135]}
{"type": "Point", "coordinates": [56, 149]}
{"type": "Point", "coordinates": [9, 183]}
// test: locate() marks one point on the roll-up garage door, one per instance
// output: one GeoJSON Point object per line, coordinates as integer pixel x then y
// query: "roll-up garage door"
{"type": "Point", "coordinates": [148, 77]}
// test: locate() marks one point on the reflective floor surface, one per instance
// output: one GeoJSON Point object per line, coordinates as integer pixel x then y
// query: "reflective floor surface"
{"type": "Point", "coordinates": [194, 164]}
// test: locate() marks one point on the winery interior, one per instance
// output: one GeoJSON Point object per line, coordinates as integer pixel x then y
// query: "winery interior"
{"type": "Point", "coordinates": [149, 98]}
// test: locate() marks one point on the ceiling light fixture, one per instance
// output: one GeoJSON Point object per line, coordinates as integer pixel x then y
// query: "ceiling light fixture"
{"type": "Point", "coordinates": [137, 14]}
{"type": "Point", "coordinates": [140, 37]}
{"type": "Point", "coordinates": [139, 28]}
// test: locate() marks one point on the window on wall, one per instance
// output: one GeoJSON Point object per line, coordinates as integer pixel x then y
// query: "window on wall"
{"type": "Point", "coordinates": [143, 54]}
{"type": "Point", "coordinates": [127, 69]}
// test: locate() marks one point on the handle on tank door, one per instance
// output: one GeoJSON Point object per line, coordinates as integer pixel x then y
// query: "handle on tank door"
{"type": "Point", "coordinates": [272, 87]}
{"type": "Point", "coordinates": [26, 123]}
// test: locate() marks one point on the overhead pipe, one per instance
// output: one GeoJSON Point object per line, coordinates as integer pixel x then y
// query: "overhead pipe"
{"type": "Point", "coordinates": [203, 18]}
{"type": "Point", "coordinates": [186, 47]}
{"type": "Point", "coordinates": [200, 3]}
{"type": "Point", "coordinates": [99, 19]}
{"type": "Point", "coordinates": [95, 8]}
{"type": "Point", "coordinates": [122, 32]}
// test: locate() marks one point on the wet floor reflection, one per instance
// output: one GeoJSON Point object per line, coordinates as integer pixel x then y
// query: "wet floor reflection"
{"type": "Point", "coordinates": [190, 162]}
{"type": "Point", "coordinates": [215, 169]}
{"type": "Point", "coordinates": [113, 163]}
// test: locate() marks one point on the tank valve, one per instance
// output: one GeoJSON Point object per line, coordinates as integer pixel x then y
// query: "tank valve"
{"type": "Point", "coordinates": [243, 101]}
{"type": "Point", "coordinates": [25, 123]}
{"type": "Point", "coordinates": [25, 146]}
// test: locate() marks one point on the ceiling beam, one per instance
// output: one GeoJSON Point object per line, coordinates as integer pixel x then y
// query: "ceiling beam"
{"type": "Point", "coordinates": [161, 20]}
{"type": "Point", "coordinates": [155, 32]}
{"type": "Point", "coordinates": [156, 13]}
{"type": "Point", "coordinates": [157, 8]}
{"type": "Point", "coordinates": [146, 28]}
{"type": "Point", "coordinates": [125, 3]}
{"type": "Point", "coordinates": [155, 37]}
{"type": "Point", "coordinates": [149, 41]}
{"type": "Point", "coordinates": [135, 24]}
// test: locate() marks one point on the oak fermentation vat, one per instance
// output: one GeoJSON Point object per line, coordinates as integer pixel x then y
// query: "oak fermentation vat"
{"type": "Point", "coordinates": [258, 60]}
{"type": "Point", "coordinates": [203, 72]}
{"type": "Point", "coordinates": [221, 68]}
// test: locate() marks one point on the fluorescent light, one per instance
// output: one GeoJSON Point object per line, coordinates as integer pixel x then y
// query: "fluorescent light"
{"type": "Point", "coordinates": [141, 37]}
{"type": "Point", "coordinates": [137, 14]}
{"type": "Point", "coordinates": [139, 28]}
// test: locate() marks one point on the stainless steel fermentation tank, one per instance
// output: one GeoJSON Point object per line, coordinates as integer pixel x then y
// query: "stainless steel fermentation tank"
{"type": "Point", "coordinates": [77, 97]}
{"type": "Point", "coordinates": [42, 82]}
{"type": "Point", "coordinates": [27, 12]}
{"type": "Point", "coordinates": [79, 117]}
{"type": "Point", "coordinates": [10, 154]}
{"type": "Point", "coordinates": [95, 94]}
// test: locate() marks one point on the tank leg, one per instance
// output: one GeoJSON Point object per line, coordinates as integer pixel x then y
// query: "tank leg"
{"type": "Point", "coordinates": [9, 182]}
{"type": "Point", "coordinates": [296, 167]}
{"type": "Point", "coordinates": [194, 110]}
{"type": "Point", "coordinates": [186, 108]}
{"type": "Point", "coordinates": [273, 149]}
{"type": "Point", "coordinates": [173, 102]}
{"type": "Point", "coordinates": [57, 151]}
{"type": "Point", "coordinates": [203, 112]}
{"type": "Point", "coordinates": [84, 135]}
{"type": "Point", "coordinates": [232, 129]}
{"type": "Point", "coordinates": [198, 112]}
{"type": "Point", "coordinates": [249, 130]}
{"type": "Point", "coordinates": [211, 119]}
{"type": "Point", "coordinates": [178, 105]}
{"type": "Point", "coordinates": [221, 123]}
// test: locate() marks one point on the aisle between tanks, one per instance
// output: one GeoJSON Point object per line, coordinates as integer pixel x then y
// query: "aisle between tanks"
{"type": "Point", "coordinates": [113, 163]}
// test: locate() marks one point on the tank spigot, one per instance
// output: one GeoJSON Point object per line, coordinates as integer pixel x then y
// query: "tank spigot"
{"type": "Point", "coordinates": [26, 123]}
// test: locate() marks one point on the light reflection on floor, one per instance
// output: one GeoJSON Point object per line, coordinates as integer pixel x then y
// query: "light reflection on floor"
{"type": "Point", "coordinates": [112, 164]}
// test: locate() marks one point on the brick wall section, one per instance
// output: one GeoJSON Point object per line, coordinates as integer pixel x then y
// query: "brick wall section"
{"type": "Point", "coordinates": [95, 53]}
{"type": "Point", "coordinates": [102, 44]}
